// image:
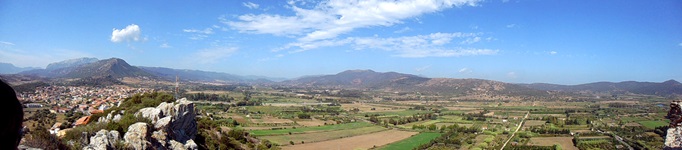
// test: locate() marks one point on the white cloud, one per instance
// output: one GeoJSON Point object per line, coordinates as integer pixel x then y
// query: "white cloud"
{"type": "Point", "coordinates": [213, 55]}
{"type": "Point", "coordinates": [165, 45]}
{"type": "Point", "coordinates": [432, 45]}
{"type": "Point", "coordinates": [680, 44]}
{"type": "Point", "coordinates": [511, 25]}
{"type": "Point", "coordinates": [471, 40]}
{"type": "Point", "coordinates": [465, 70]}
{"type": "Point", "coordinates": [405, 29]}
{"type": "Point", "coordinates": [250, 5]}
{"type": "Point", "coordinates": [328, 19]}
{"type": "Point", "coordinates": [553, 52]}
{"type": "Point", "coordinates": [130, 33]}
{"type": "Point", "coordinates": [205, 31]}
{"type": "Point", "coordinates": [7, 43]}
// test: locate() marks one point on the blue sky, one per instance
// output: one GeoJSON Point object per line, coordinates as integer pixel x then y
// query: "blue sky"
{"type": "Point", "coordinates": [518, 41]}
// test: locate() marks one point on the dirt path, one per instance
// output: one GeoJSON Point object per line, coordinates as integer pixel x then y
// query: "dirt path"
{"type": "Point", "coordinates": [517, 129]}
{"type": "Point", "coordinates": [365, 141]}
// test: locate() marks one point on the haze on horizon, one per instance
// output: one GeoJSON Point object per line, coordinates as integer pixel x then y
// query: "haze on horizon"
{"type": "Point", "coordinates": [517, 41]}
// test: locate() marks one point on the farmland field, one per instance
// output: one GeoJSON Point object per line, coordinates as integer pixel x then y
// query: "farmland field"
{"type": "Point", "coordinates": [321, 136]}
{"type": "Point", "coordinates": [311, 129]}
{"type": "Point", "coordinates": [653, 124]}
{"type": "Point", "coordinates": [565, 142]}
{"type": "Point", "coordinates": [412, 142]}
{"type": "Point", "coordinates": [365, 141]}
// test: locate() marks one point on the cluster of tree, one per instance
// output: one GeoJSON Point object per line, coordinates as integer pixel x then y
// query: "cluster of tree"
{"type": "Point", "coordinates": [403, 120]}
{"type": "Point", "coordinates": [454, 137]}
{"type": "Point", "coordinates": [431, 127]}
{"type": "Point", "coordinates": [303, 116]}
{"type": "Point", "coordinates": [621, 105]}
{"type": "Point", "coordinates": [577, 121]}
{"type": "Point", "coordinates": [533, 147]}
{"type": "Point", "coordinates": [211, 137]}
{"type": "Point", "coordinates": [549, 130]}
{"type": "Point", "coordinates": [29, 87]}
{"type": "Point", "coordinates": [209, 97]}
{"type": "Point", "coordinates": [594, 143]}
{"type": "Point", "coordinates": [43, 117]}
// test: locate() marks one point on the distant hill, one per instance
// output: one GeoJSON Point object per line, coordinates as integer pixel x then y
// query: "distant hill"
{"type": "Point", "coordinates": [70, 63]}
{"type": "Point", "coordinates": [392, 81]}
{"type": "Point", "coordinates": [114, 67]}
{"type": "Point", "coordinates": [198, 75]}
{"type": "Point", "coordinates": [670, 87]}
{"type": "Point", "coordinates": [8, 68]}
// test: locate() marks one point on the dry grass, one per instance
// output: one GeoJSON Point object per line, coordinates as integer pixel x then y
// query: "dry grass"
{"type": "Point", "coordinates": [530, 123]}
{"type": "Point", "coordinates": [565, 142]}
{"type": "Point", "coordinates": [365, 141]}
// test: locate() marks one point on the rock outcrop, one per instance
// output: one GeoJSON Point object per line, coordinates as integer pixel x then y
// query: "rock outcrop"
{"type": "Point", "coordinates": [173, 126]}
{"type": "Point", "coordinates": [137, 136]}
{"type": "Point", "coordinates": [673, 139]}
{"type": "Point", "coordinates": [103, 140]}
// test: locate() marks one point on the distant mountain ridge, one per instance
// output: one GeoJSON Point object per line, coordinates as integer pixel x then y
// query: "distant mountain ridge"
{"type": "Point", "coordinates": [114, 67]}
{"type": "Point", "coordinates": [8, 68]}
{"type": "Point", "coordinates": [669, 87]}
{"type": "Point", "coordinates": [70, 63]}
{"type": "Point", "coordinates": [392, 81]}
{"type": "Point", "coordinates": [198, 75]}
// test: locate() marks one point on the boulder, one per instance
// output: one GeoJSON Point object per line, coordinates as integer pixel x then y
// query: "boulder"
{"type": "Point", "coordinates": [191, 145]}
{"type": "Point", "coordinates": [150, 113]}
{"type": "Point", "coordinates": [175, 145]}
{"type": "Point", "coordinates": [100, 141]}
{"type": "Point", "coordinates": [103, 140]}
{"type": "Point", "coordinates": [137, 136]}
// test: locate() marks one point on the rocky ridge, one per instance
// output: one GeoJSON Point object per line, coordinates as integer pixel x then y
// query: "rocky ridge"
{"type": "Point", "coordinates": [172, 127]}
{"type": "Point", "coordinates": [673, 138]}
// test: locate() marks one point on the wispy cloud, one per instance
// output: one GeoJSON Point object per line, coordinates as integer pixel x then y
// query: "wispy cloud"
{"type": "Point", "coordinates": [431, 45]}
{"type": "Point", "coordinates": [465, 70]}
{"type": "Point", "coordinates": [553, 52]}
{"type": "Point", "coordinates": [205, 31]}
{"type": "Point", "coordinates": [331, 18]}
{"type": "Point", "coordinates": [12, 44]}
{"type": "Point", "coordinates": [471, 40]}
{"type": "Point", "coordinates": [512, 75]}
{"type": "Point", "coordinates": [129, 33]}
{"type": "Point", "coordinates": [250, 5]}
{"type": "Point", "coordinates": [420, 69]}
{"type": "Point", "coordinates": [165, 45]}
{"type": "Point", "coordinates": [680, 44]}
{"type": "Point", "coordinates": [511, 25]}
{"type": "Point", "coordinates": [405, 29]}
{"type": "Point", "coordinates": [213, 55]}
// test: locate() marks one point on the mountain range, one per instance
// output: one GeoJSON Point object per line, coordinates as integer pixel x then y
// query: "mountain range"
{"type": "Point", "coordinates": [8, 68]}
{"type": "Point", "coordinates": [108, 71]}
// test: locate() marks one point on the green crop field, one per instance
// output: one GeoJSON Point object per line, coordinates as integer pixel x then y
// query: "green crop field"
{"type": "Point", "coordinates": [653, 124]}
{"type": "Point", "coordinates": [310, 129]}
{"type": "Point", "coordinates": [412, 142]}
{"type": "Point", "coordinates": [322, 136]}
